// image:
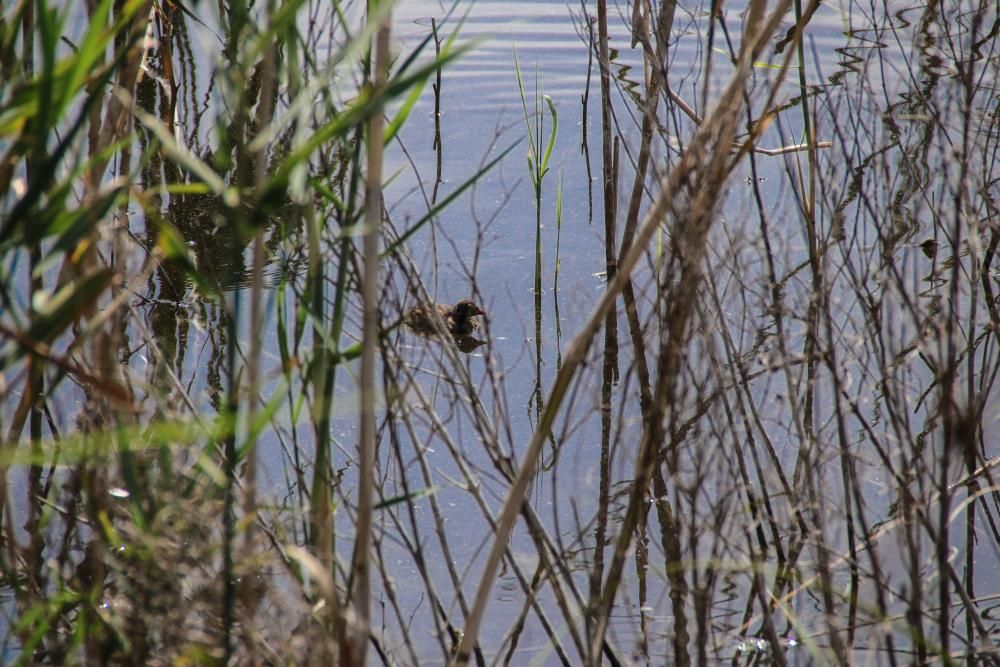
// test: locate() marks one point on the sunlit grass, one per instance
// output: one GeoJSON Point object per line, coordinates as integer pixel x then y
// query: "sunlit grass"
{"type": "Point", "coordinates": [221, 447]}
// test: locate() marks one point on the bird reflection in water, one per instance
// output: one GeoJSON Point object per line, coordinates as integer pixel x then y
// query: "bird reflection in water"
{"type": "Point", "coordinates": [457, 320]}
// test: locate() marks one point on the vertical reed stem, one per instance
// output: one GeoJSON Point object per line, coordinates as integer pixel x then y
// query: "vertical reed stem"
{"type": "Point", "coordinates": [357, 632]}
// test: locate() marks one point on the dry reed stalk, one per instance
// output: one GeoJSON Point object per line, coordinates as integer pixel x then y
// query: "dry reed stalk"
{"type": "Point", "coordinates": [720, 124]}
{"type": "Point", "coordinates": [654, 59]}
{"type": "Point", "coordinates": [265, 114]}
{"type": "Point", "coordinates": [354, 647]}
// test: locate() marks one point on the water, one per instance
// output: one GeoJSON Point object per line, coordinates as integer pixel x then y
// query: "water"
{"type": "Point", "coordinates": [738, 493]}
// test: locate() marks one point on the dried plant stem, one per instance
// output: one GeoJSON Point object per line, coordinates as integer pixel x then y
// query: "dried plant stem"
{"type": "Point", "coordinates": [265, 114]}
{"type": "Point", "coordinates": [656, 80]}
{"type": "Point", "coordinates": [690, 161]}
{"type": "Point", "coordinates": [607, 150]}
{"type": "Point", "coordinates": [354, 649]}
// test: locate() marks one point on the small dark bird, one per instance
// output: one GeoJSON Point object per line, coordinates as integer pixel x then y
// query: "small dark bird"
{"type": "Point", "coordinates": [457, 319]}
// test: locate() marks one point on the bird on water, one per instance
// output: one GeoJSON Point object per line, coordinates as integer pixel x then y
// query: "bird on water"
{"type": "Point", "coordinates": [457, 319]}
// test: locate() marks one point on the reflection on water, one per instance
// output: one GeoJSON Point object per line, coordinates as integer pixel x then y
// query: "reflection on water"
{"type": "Point", "coordinates": [830, 415]}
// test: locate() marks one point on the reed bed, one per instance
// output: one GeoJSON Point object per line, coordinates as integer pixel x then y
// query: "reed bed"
{"type": "Point", "coordinates": [770, 439]}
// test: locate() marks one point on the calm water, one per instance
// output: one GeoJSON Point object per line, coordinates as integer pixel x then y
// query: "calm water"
{"type": "Point", "coordinates": [480, 102]}
{"type": "Point", "coordinates": [884, 182]}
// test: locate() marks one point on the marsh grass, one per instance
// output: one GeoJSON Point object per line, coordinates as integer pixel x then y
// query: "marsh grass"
{"type": "Point", "coordinates": [174, 504]}
{"type": "Point", "coordinates": [796, 427]}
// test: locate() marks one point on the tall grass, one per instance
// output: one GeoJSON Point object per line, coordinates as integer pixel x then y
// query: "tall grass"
{"type": "Point", "coordinates": [538, 168]}
{"type": "Point", "coordinates": [794, 462]}
{"type": "Point", "coordinates": [166, 550]}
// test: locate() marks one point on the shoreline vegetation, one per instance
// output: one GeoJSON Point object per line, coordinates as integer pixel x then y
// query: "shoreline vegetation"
{"type": "Point", "coordinates": [771, 437]}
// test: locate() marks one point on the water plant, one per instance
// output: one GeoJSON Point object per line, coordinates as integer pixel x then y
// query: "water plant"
{"type": "Point", "coordinates": [95, 156]}
{"type": "Point", "coordinates": [220, 446]}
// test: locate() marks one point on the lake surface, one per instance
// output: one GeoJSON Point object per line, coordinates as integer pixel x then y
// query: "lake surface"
{"type": "Point", "coordinates": [822, 488]}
